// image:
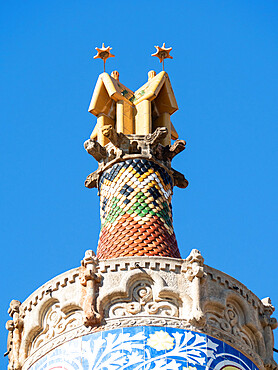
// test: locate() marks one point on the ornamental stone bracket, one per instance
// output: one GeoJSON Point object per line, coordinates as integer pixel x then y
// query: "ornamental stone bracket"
{"type": "Point", "coordinates": [90, 281]}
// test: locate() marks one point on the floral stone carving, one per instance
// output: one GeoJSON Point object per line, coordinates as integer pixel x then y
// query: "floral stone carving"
{"type": "Point", "coordinates": [143, 303]}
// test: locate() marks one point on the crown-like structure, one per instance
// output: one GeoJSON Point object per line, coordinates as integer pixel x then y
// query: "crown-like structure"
{"type": "Point", "coordinates": [135, 180]}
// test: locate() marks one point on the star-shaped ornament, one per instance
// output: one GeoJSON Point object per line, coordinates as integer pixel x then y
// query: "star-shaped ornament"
{"type": "Point", "coordinates": [162, 53]}
{"type": "Point", "coordinates": [103, 53]}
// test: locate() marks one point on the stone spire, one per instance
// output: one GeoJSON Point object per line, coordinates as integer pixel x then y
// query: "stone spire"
{"type": "Point", "coordinates": [132, 144]}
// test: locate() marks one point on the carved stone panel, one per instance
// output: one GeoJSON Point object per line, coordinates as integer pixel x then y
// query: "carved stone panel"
{"type": "Point", "coordinates": [56, 322]}
{"type": "Point", "coordinates": [143, 303]}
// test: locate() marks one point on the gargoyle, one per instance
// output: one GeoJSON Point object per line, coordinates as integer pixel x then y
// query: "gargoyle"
{"type": "Point", "coordinates": [155, 137]}
{"type": "Point", "coordinates": [95, 149]}
{"type": "Point", "coordinates": [91, 180]}
{"type": "Point", "coordinates": [168, 152]}
{"type": "Point", "coordinates": [179, 179]}
{"type": "Point", "coordinates": [119, 140]}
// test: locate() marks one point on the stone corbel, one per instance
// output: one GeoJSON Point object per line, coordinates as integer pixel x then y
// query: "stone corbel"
{"type": "Point", "coordinates": [194, 272]}
{"type": "Point", "coordinates": [269, 323]}
{"type": "Point", "coordinates": [15, 328]}
{"type": "Point", "coordinates": [90, 281]}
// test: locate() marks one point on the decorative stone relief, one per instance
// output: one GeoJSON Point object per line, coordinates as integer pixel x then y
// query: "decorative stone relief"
{"type": "Point", "coordinates": [194, 272]}
{"type": "Point", "coordinates": [143, 303]}
{"type": "Point", "coordinates": [55, 323]}
{"type": "Point", "coordinates": [232, 321]}
{"type": "Point", "coordinates": [15, 328]}
{"type": "Point", "coordinates": [90, 281]}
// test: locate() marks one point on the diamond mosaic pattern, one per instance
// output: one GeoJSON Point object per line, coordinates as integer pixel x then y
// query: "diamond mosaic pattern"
{"type": "Point", "coordinates": [135, 211]}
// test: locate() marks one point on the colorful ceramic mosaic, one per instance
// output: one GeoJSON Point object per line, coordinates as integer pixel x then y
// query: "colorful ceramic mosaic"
{"type": "Point", "coordinates": [135, 211]}
{"type": "Point", "coordinates": [145, 348]}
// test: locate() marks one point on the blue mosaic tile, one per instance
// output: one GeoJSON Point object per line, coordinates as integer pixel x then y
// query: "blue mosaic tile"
{"type": "Point", "coordinates": [158, 342]}
{"type": "Point", "coordinates": [229, 350]}
{"type": "Point", "coordinates": [219, 344]}
{"type": "Point", "coordinates": [247, 361]}
{"type": "Point", "coordinates": [144, 348]}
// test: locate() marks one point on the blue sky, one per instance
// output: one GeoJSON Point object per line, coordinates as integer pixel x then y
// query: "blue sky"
{"type": "Point", "coordinates": [225, 77]}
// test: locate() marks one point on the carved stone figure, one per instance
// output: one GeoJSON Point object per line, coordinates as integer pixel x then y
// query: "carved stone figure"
{"type": "Point", "coordinates": [90, 280]}
{"type": "Point", "coordinates": [15, 327]}
{"type": "Point", "coordinates": [95, 149]}
{"type": "Point", "coordinates": [268, 324]}
{"type": "Point", "coordinates": [194, 272]}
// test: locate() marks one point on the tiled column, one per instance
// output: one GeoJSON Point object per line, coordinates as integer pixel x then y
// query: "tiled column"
{"type": "Point", "coordinates": [136, 211]}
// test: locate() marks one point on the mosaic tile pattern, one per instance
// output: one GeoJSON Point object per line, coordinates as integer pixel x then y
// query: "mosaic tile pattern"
{"type": "Point", "coordinates": [136, 211]}
{"type": "Point", "coordinates": [145, 348]}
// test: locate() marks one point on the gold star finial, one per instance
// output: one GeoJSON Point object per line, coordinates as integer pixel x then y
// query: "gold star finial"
{"type": "Point", "coordinates": [103, 53]}
{"type": "Point", "coordinates": [162, 53]}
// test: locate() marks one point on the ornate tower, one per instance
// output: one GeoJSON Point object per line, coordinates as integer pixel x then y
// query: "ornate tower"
{"type": "Point", "coordinates": [137, 304]}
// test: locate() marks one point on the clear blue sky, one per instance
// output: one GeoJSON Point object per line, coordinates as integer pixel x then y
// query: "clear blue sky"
{"type": "Point", "coordinates": [225, 77]}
